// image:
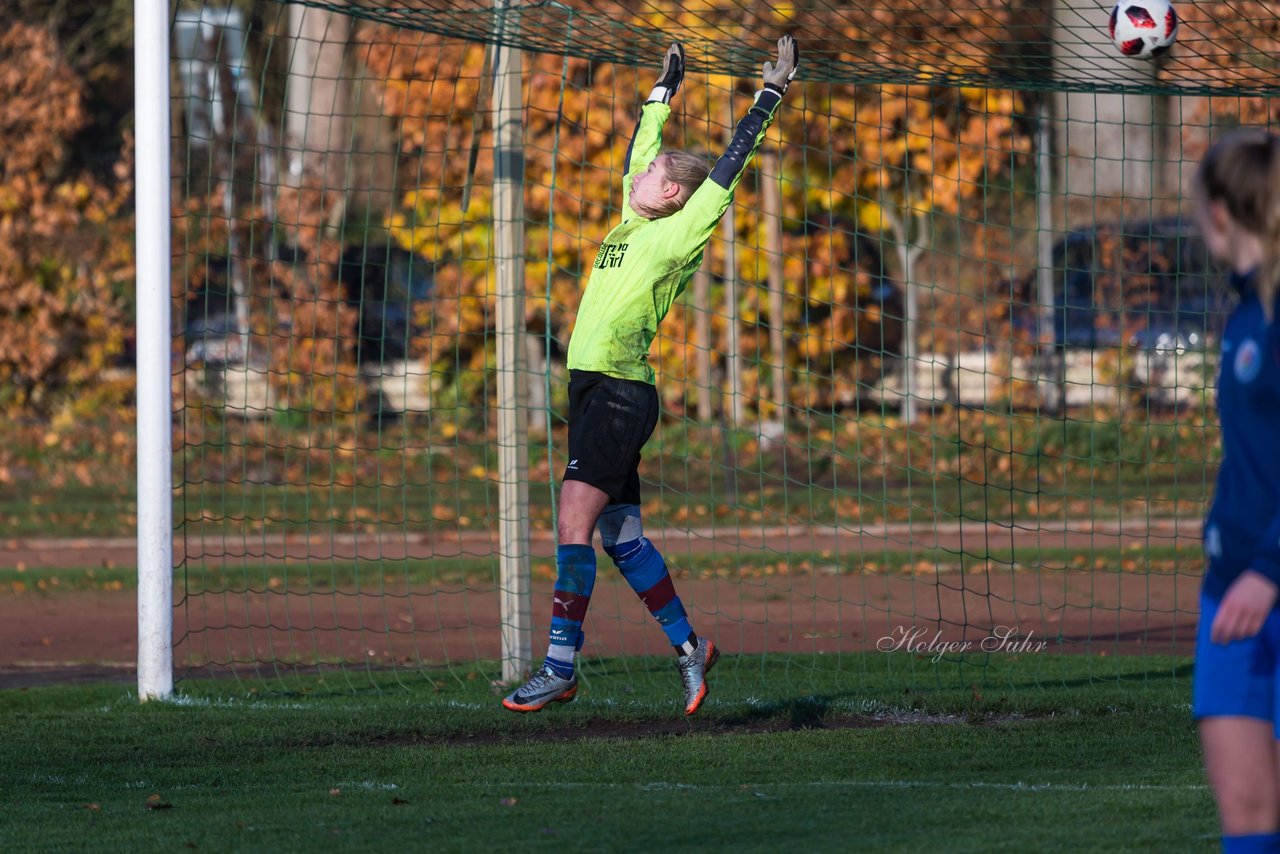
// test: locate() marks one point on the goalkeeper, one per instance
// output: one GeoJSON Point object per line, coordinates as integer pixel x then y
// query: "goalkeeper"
{"type": "Point", "coordinates": [671, 204]}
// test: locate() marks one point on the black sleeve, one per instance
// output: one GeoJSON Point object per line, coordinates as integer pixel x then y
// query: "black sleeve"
{"type": "Point", "coordinates": [746, 137]}
{"type": "Point", "coordinates": [626, 163]}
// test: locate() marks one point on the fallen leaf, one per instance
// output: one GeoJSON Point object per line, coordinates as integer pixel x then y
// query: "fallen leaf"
{"type": "Point", "coordinates": [335, 792]}
{"type": "Point", "coordinates": [155, 803]}
{"type": "Point", "coordinates": [507, 802]}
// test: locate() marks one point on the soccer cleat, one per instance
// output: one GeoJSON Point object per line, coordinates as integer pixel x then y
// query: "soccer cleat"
{"type": "Point", "coordinates": [542, 688]}
{"type": "Point", "coordinates": [693, 670]}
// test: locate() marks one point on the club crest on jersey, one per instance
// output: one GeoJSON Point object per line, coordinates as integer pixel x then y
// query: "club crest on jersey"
{"type": "Point", "coordinates": [1248, 361]}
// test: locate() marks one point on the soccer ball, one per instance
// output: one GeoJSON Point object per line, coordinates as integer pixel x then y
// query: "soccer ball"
{"type": "Point", "coordinates": [1143, 29]}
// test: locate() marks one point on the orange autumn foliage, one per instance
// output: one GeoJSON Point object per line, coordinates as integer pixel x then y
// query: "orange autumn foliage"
{"type": "Point", "coordinates": [65, 256]}
{"type": "Point", "coordinates": [853, 157]}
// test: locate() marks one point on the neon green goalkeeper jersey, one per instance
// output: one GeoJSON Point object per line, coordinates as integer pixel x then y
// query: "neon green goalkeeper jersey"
{"type": "Point", "coordinates": [644, 264]}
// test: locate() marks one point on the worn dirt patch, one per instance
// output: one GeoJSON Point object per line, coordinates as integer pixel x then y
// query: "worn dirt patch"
{"type": "Point", "coordinates": [612, 728]}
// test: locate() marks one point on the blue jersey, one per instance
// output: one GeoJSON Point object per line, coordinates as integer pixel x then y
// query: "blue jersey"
{"type": "Point", "coordinates": [1242, 530]}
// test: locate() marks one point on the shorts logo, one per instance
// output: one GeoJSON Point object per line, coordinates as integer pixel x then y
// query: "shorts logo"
{"type": "Point", "coordinates": [573, 464]}
{"type": "Point", "coordinates": [1248, 361]}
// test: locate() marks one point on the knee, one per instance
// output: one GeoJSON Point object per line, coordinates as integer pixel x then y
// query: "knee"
{"type": "Point", "coordinates": [575, 525]}
{"type": "Point", "coordinates": [571, 531]}
{"type": "Point", "coordinates": [1246, 810]}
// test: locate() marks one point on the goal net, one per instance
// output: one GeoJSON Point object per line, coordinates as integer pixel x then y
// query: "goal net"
{"type": "Point", "coordinates": [946, 373]}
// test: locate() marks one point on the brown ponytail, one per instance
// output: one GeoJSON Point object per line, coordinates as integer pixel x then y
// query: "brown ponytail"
{"type": "Point", "coordinates": [1242, 170]}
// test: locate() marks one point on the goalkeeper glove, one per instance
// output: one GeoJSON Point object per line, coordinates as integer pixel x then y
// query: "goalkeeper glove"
{"type": "Point", "coordinates": [778, 77]}
{"type": "Point", "coordinates": [672, 75]}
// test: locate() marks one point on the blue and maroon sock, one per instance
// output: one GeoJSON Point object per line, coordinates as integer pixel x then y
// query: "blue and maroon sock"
{"type": "Point", "coordinates": [575, 579]}
{"type": "Point", "coordinates": [645, 570]}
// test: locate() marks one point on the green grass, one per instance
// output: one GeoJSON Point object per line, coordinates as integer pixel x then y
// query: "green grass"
{"type": "Point", "coordinates": [235, 476]}
{"type": "Point", "coordinates": [41, 510]}
{"type": "Point", "coordinates": [346, 575]}
{"type": "Point", "coordinates": [210, 509]}
{"type": "Point", "coordinates": [1049, 753]}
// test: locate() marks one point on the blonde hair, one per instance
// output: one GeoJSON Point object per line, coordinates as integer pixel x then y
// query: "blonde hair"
{"type": "Point", "coordinates": [1242, 170]}
{"type": "Point", "coordinates": [688, 170]}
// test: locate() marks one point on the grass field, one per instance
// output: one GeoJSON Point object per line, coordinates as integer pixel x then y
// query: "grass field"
{"type": "Point", "coordinates": [795, 751]}
{"type": "Point", "coordinates": [245, 478]}
{"type": "Point", "coordinates": [301, 576]}
{"type": "Point", "coordinates": [219, 509]}
{"type": "Point", "coordinates": [998, 754]}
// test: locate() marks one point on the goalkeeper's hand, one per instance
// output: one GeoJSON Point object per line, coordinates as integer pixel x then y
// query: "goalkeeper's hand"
{"type": "Point", "coordinates": [672, 74]}
{"type": "Point", "coordinates": [779, 76]}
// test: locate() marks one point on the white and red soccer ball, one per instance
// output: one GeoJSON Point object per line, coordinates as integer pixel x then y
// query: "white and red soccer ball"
{"type": "Point", "coordinates": [1143, 29]}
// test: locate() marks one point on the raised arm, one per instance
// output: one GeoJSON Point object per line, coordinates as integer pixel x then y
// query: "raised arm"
{"type": "Point", "coordinates": [646, 140]}
{"type": "Point", "coordinates": [709, 202]}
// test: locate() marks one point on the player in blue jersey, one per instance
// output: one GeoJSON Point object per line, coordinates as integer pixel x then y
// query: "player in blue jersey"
{"type": "Point", "coordinates": [1236, 694]}
{"type": "Point", "coordinates": [672, 202]}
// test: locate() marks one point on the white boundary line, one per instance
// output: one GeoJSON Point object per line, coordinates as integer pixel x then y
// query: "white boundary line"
{"type": "Point", "coordinates": [877, 784]}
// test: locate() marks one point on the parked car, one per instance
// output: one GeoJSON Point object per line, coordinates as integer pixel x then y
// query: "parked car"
{"type": "Point", "coordinates": [209, 319]}
{"type": "Point", "coordinates": [385, 283]}
{"type": "Point", "coordinates": [1146, 284]}
{"type": "Point", "coordinates": [878, 308]}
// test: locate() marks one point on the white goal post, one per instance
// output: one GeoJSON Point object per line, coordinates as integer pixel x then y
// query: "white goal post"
{"type": "Point", "coordinates": [155, 420]}
{"type": "Point", "coordinates": [154, 395]}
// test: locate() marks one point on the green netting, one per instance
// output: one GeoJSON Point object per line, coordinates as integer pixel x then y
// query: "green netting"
{"type": "Point", "coordinates": [1222, 48]}
{"type": "Point", "coordinates": [960, 379]}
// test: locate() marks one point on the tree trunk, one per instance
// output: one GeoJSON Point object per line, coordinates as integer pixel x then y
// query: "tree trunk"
{"type": "Point", "coordinates": [318, 112]}
{"type": "Point", "coordinates": [702, 332]}
{"type": "Point", "coordinates": [1108, 140]}
{"type": "Point", "coordinates": [772, 203]}
{"type": "Point", "coordinates": [735, 411]}
{"type": "Point", "coordinates": [909, 250]}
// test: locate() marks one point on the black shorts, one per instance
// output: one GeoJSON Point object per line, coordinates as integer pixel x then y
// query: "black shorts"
{"type": "Point", "coordinates": [609, 422]}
